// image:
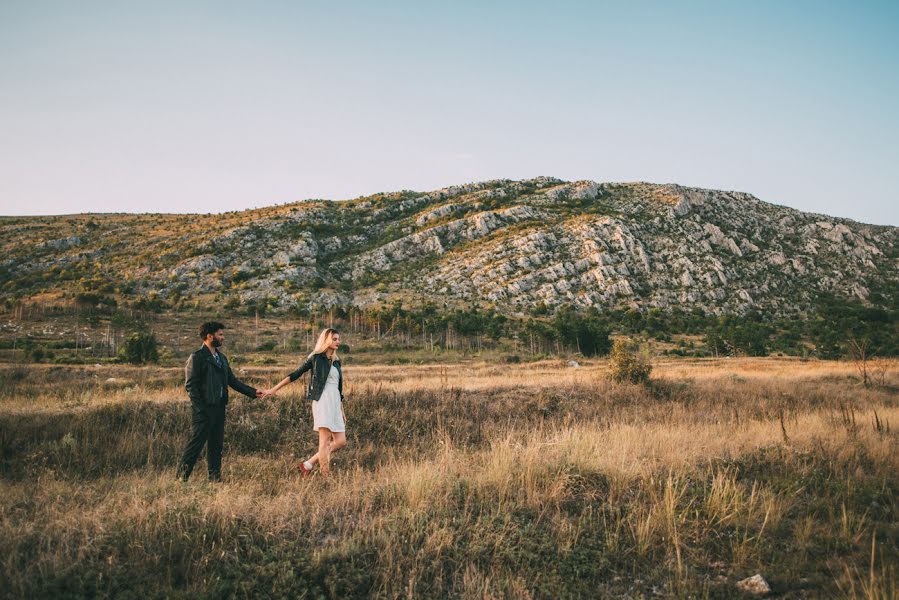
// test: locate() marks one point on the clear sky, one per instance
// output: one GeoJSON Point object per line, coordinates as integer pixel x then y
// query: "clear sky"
{"type": "Point", "coordinates": [209, 106]}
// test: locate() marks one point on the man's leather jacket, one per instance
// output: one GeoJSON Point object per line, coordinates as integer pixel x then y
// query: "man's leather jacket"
{"type": "Point", "coordinates": [207, 382]}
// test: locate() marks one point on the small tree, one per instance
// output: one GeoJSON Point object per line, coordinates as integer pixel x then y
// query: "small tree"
{"type": "Point", "coordinates": [140, 348]}
{"type": "Point", "coordinates": [860, 354]}
{"type": "Point", "coordinates": [626, 366]}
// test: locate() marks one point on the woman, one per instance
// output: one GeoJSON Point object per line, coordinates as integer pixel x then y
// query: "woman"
{"type": "Point", "coordinates": [326, 392]}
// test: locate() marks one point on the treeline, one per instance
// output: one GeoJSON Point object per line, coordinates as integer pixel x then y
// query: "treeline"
{"type": "Point", "coordinates": [470, 330]}
{"type": "Point", "coordinates": [831, 330]}
{"type": "Point", "coordinates": [828, 331]}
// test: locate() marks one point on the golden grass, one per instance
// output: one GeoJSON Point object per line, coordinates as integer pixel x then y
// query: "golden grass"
{"type": "Point", "coordinates": [750, 464]}
{"type": "Point", "coordinates": [112, 384]}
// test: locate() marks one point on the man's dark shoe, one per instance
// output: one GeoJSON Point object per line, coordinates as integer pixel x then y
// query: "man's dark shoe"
{"type": "Point", "coordinates": [183, 473]}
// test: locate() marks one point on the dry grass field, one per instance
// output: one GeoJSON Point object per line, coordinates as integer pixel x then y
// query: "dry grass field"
{"type": "Point", "coordinates": [468, 480]}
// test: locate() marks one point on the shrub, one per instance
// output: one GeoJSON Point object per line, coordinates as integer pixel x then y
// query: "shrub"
{"type": "Point", "coordinates": [93, 299]}
{"type": "Point", "coordinates": [626, 366]}
{"type": "Point", "coordinates": [140, 348]}
{"type": "Point", "coordinates": [151, 303]}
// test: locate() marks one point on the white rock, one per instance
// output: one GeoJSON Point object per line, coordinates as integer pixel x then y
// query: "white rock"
{"type": "Point", "coordinates": [436, 213]}
{"type": "Point", "coordinates": [748, 247]}
{"type": "Point", "coordinates": [754, 585]}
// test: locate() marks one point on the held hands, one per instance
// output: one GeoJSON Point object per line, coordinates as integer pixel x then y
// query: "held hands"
{"type": "Point", "coordinates": [265, 394]}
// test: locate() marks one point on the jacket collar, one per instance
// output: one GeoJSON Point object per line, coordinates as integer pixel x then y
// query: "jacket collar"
{"type": "Point", "coordinates": [206, 350]}
{"type": "Point", "coordinates": [324, 356]}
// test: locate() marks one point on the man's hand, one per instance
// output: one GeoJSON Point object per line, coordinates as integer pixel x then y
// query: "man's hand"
{"type": "Point", "coordinates": [264, 394]}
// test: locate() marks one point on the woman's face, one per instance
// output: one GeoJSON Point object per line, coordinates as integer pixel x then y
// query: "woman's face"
{"type": "Point", "coordinates": [335, 342]}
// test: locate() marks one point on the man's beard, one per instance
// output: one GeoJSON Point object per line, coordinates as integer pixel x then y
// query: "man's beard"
{"type": "Point", "coordinates": [216, 343]}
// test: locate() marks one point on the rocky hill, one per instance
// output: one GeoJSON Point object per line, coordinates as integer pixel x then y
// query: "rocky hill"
{"type": "Point", "coordinates": [510, 244]}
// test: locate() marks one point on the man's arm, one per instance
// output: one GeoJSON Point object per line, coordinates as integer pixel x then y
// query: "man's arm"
{"type": "Point", "coordinates": [240, 386]}
{"type": "Point", "coordinates": [193, 378]}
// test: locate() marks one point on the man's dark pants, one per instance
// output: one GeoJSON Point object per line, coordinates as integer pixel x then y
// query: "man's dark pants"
{"type": "Point", "coordinates": [207, 427]}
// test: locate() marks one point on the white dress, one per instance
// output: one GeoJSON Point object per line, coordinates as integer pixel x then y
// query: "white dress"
{"type": "Point", "coordinates": [327, 411]}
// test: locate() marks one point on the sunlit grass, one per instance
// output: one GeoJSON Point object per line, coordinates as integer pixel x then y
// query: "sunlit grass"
{"type": "Point", "coordinates": [495, 487]}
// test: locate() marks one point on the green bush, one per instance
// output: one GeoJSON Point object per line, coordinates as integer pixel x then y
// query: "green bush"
{"type": "Point", "coordinates": [626, 366]}
{"type": "Point", "coordinates": [139, 349]}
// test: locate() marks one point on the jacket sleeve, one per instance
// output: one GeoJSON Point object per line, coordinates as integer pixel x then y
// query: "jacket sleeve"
{"type": "Point", "coordinates": [193, 378]}
{"type": "Point", "coordinates": [307, 364]}
{"type": "Point", "coordinates": [239, 385]}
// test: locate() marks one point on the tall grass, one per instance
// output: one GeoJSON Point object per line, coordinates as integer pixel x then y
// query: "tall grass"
{"type": "Point", "coordinates": [517, 490]}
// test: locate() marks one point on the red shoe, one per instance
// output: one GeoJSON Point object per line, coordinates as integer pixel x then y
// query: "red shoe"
{"type": "Point", "coordinates": [306, 472]}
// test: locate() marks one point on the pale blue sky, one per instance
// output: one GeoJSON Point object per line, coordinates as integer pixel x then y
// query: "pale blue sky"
{"type": "Point", "coordinates": [211, 106]}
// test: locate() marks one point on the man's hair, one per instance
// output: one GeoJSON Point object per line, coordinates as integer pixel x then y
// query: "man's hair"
{"type": "Point", "coordinates": [209, 328]}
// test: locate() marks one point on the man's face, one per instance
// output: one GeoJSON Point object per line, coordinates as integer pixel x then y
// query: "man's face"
{"type": "Point", "coordinates": [218, 338]}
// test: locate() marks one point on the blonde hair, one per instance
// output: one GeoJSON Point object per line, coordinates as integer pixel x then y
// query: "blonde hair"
{"type": "Point", "coordinates": [324, 340]}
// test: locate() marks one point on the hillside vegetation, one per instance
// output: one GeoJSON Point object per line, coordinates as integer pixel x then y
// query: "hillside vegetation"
{"type": "Point", "coordinates": [510, 245]}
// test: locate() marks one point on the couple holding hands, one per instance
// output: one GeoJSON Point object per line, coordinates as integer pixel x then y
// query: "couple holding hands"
{"type": "Point", "coordinates": [208, 377]}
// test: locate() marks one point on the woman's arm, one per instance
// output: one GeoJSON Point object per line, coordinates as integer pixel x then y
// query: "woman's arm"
{"type": "Point", "coordinates": [292, 377]}
{"type": "Point", "coordinates": [272, 391]}
{"type": "Point", "coordinates": [307, 364]}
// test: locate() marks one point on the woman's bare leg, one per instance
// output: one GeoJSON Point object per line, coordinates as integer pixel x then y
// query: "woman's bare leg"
{"type": "Point", "coordinates": [324, 449]}
{"type": "Point", "coordinates": [338, 441]}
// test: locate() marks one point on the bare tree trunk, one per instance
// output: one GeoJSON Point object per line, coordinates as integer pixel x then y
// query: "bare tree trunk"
{"type": "Point", "coordinates": [859, 350]}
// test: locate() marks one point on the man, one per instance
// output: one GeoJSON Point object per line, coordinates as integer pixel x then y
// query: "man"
{"type": "Point", "coordinates": [207, 377]}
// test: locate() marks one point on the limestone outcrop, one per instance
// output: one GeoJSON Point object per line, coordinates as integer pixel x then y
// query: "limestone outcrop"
{"type": "Point", "coordinates": [513, 244]}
